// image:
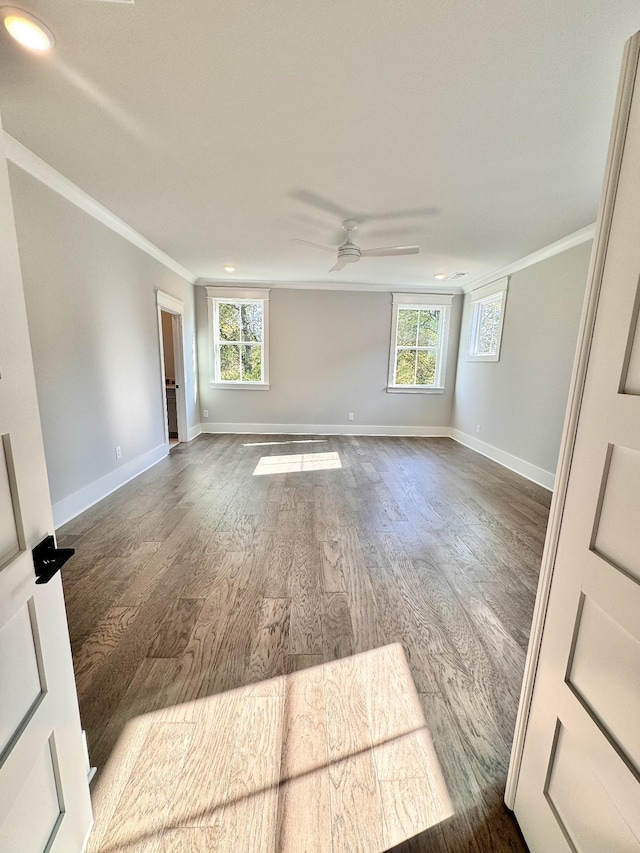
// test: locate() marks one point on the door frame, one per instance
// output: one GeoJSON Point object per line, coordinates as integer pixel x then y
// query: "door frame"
{"type": "Point", "coordinates": [170, 305]}
{"type": "Point", "coordinates": [585, 334]}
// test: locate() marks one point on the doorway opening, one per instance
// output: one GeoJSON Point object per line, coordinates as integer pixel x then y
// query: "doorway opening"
{"type": "Point", "coordinates": [170, 331]}
{"type": "Point", "coordinates": [169, 364]}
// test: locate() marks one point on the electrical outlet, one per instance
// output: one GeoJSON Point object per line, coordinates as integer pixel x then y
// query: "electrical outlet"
{"type": "Point", "coordinates": [118, 452]}
{"type": "Point", "coordinates": [477, 427]}
{"type": "Point", "coordinates": [350, 416]}
{"type": "Point", "coordinates": [205, 413]}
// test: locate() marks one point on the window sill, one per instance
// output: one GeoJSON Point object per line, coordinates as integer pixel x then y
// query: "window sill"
{"type": "Point", "coordinates": [240, 386]}
{"type": "Point", "coordinates": [412, 389]}
{"type": "Point", "coordinates": [483, 358]}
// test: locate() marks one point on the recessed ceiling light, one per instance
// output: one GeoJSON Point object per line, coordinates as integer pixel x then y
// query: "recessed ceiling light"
{"type": "Point", "coordinates": [440, 275]}
{"type": "Point", "coordinates": [229, 268]}
{"type": "Point", "coordinates": [27, 30]}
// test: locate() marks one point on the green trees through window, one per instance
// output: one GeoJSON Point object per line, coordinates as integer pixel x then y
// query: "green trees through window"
{"type": "Point", "coordinates": [487, 319]}
{"type": "Point", "coordinates": [418, 340]}
{"type": "Point", "coordinates": [239, 332]}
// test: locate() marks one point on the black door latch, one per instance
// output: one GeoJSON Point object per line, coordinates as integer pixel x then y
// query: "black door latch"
{"type": "Point", "coordinates": [47, 559]}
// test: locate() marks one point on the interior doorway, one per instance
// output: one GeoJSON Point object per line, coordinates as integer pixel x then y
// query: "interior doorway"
{"type": "Point", "coordinates": [169, 364]}
{"type": "Point", "coordinates": [170, 332]}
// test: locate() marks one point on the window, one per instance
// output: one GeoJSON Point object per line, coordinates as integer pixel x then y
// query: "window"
{"type": "Point", "coordinates": [419, 342]}
{"type": "Point", "coordinates": [239, 321]}
{"type": "Point", "coordinates": [487, 316]}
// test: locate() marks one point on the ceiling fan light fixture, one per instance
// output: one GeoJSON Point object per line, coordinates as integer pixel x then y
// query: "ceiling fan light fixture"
{"type": "Point", "coordinates": [349, 253]}
{"type": "Point", "coordinates": [27, 30]}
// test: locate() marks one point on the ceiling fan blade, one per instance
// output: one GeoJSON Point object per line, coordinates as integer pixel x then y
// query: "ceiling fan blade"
{"type": "Point", "coordinates": [319, 202]}
{"type": "Point", "coordinates": [331, 249]}
{"type": "Point", "coordinates": [390, 250]}
{"type": "Point", "coordinates": [338, 266]}
{"type": "Point", "coordinates": [409, 213]}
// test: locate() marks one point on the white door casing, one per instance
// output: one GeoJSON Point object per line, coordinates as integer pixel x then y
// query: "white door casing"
{"type": "Point", "coordinates": [175, 307]}
{"type": "Point", "coordinates": [44, 792]}
{"type": "Point", "coordinates": [576, 761]}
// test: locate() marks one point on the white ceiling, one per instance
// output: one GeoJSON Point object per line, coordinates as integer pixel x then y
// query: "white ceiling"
{"type": "Point", "coordinates": [220, 129]}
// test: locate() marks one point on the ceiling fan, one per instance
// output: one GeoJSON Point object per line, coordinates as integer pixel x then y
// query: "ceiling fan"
{"type": "Point", "coordinates": [349, 253]}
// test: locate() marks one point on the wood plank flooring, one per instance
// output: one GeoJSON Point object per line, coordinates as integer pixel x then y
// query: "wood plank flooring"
{"type": "Point", "coordinates": [199, 578]}
{"type": "Point", "coordinates": [335, 757]}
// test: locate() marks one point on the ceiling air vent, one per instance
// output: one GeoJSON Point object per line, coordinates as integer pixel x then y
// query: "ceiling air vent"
{"type": "Point", "coordinates": [456, 275]}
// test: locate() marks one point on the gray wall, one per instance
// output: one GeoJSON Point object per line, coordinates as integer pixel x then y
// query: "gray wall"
{"type": "Point", "coordinates": [329, 355]}
{"type": "Point", "coordinates": [94, 333]}
{"type": "Point", "coordinates": [520, 401]}
{"type": "Point", "coordinates": [93, 323]}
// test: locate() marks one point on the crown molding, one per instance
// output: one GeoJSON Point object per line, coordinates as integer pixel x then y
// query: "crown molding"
{"type": "Point", "coordinates": [29, 162]}
{"type": "Point", "coordinates": [331, 285]}
{"type": "Point", "coordinates": [549, 251]}
{"type": "Point", "coordinates": [25, 159]}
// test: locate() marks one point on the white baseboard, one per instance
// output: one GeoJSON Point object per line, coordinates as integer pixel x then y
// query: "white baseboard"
{"type": "Point", "coordinates": [74, 504]}
{"type": "Point", "coordinates": [514, 463]}
{"type": "Point", "coordinates": [79, 501]}
{"type": "Point", "coordinates": [324, 429]}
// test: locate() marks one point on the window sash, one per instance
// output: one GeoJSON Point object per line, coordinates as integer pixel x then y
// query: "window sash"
{"type": "Point", "coordinates": [478, 319]}
{"type": "Point", "coordinates": [219, 342]}
{"type": "Point", "coordinates": [437, 349]}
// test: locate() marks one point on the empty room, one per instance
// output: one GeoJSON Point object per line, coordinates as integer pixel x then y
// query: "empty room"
{"type": "Point", "coordinates": [319, 382]}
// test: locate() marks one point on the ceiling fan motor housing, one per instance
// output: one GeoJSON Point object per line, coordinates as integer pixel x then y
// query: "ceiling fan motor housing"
{"type": "Point", "coordinates": [349, 252]}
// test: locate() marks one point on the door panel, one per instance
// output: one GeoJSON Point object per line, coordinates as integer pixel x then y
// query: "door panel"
{"type": "Point", "coordinates": [44, 792]}
{"type": "Point", "coordinates": [614, 539]}
{"type": "Point", "coordinates": [584, 809]}
{"type": "Point", "coordinates": [10, 522]}
{"type": "Point", "coordinates": [21, 685]}
{"type": "Point", "coordinates": [604, 673]}
{"type": "Point", "coordinates": [579, 781]}
{"type": "Point", "coordinates": [630, 383]}
{"type": "Point", "coordinates": [40, 787]}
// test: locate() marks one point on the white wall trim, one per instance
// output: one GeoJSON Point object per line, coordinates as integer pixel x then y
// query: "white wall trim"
{"type": "Point", "coordinates": [422, 298]}
{"type": "Point", "coordinates": [169, 303]}
{"type": "Point", "coordinates": [500, 285]}
{"type": "Point", "coordinates": [514, 463]}
{"type": "Point", "coordinates": [561, 245]}
{"type": "Point", "coordinates": [622, 110]}
{"type": "Point", "coordinates": [79, 501]}
{"type": "Point", "coordinates": [454, 290]}
{"type": "Point", "coordinates": [240, 292]}
{"type": "Point", "coordinates": [35, 166]}
{"type": "Point", "coordinates": [194, 432]}
{"type": "Point", "coordinates": [175, 307]}
{"type": "Point", "coordinates": [568, 242]}
{"type": "Point", "coordinates": [325, 429]}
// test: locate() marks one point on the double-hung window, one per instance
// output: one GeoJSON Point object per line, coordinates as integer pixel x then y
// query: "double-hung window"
{"type": "Point", "coordinates": [487, 318]}
{"type": "Point", "coordinates": [239, 321]}
{"type": "Point", "coordinates": [419, 334]}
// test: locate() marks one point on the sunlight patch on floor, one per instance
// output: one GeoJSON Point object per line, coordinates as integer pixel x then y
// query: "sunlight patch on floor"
{"type": "Point", "coordinates": [331, 758]}
{"type": "Point", "coordinates": [296, 462]}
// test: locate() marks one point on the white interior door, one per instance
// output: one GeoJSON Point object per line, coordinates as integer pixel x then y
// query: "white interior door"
{"type": "Point", "coordinates": [44, 793]}
{"type": "Point", "coordinates": [578, 786]}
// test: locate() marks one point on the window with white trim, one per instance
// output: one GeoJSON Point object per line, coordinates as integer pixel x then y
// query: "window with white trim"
{"type": "Point", "coordinates": [487, 318]}
{"type": "Point", "coordinates": [419, 336]}
{"type": "Point", "coordinates": [239, 322]}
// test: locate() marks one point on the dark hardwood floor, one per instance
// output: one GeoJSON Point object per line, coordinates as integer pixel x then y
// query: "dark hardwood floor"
{"type": "Point", "coordinates": [200, 576]}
